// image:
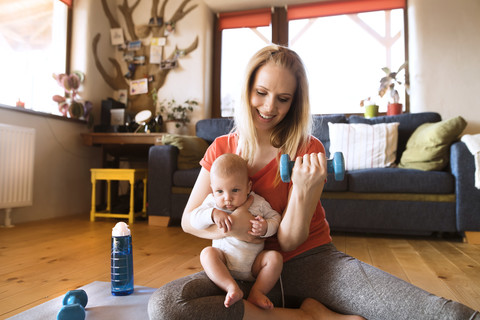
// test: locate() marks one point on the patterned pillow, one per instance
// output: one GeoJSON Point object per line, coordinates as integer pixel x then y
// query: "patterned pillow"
{"type": "Point", "coordinates": [364, 145]}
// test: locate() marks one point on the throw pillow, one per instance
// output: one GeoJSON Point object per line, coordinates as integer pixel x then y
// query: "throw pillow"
{"type": "Point", "coordinates": [363, 145]}
{"type": "Point", "coordinates": [192, 149]}
{"type": "Point", "coordinates": [429, 145]}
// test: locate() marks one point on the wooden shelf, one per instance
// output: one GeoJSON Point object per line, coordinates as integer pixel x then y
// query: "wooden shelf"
{"type": "Point", "coordinates": [102, 138]}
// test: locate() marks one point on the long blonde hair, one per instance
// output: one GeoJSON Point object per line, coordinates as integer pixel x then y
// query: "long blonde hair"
{"type": "Point", "coordinates": [292, 133]}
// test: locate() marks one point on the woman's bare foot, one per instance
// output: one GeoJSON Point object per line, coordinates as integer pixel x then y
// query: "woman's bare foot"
{"type": "Point", "coordinates": [259, 299]}
{"type": "Point", "coordinates": [234, 294]}
{"type": "Point", "coordinates": [319, 312]}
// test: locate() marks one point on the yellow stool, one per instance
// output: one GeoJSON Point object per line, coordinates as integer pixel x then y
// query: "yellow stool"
{"type": "Point", "coordinates": [130, 175]}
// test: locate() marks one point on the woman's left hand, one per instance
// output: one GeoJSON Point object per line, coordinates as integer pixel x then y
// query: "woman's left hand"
{"type": "Point", "coordinates": [308, 178]}
{"type": "Point", "coordinates": [241, 224]}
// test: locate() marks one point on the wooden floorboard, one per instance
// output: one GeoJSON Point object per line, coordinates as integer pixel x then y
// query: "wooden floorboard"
{"type": "Point", "coordinates": [42, 260]}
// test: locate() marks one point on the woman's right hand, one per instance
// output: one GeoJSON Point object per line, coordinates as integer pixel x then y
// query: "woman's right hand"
{"type": "Point", "coordinates": [241, 224]}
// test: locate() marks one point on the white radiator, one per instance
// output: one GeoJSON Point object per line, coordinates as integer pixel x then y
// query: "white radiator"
{"type": "Point", "coordinates": [17, 147]}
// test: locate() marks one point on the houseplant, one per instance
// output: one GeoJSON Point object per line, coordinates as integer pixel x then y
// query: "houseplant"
{"type": "Point", "coordinates": [387, 84]}
{"type": "Point", "coordinates": [177, 114]}
{"type": "Point", "coordinates": [70, 105]}
{"type": "Point", "coordinates": [371, 107]}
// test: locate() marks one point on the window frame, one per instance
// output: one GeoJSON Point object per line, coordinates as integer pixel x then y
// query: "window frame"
{"type": "Point", "coordinates": [279, 20]}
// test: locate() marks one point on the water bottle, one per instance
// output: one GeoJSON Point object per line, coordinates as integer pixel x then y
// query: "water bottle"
{"type": "Point", "coordinates": [121, 260]}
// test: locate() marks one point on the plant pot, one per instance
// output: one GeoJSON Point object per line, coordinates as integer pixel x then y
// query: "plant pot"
{"type": "Point", "coordinates": [175, 127]}
{"type": "Point", "coordinates": [394, 109]}
{"type": "Point", "coordinates": [371, 111]}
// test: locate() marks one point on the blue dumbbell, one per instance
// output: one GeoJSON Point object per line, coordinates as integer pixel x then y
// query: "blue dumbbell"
{"type": "Point", "coordinates": [74, 304]}
{"type": "Point", "coordinates": [335, 165]}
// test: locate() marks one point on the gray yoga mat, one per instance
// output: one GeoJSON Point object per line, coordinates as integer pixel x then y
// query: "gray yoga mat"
{"type": "Point", "coordinates": [101, 304]}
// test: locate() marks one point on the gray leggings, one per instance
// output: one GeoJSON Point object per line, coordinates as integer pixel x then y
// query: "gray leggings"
{"type": "Point", "coordinates": [342, 283]}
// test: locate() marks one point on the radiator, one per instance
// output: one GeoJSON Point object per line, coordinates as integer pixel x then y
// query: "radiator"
{"type": "Point", "coordinates": [17, 147]}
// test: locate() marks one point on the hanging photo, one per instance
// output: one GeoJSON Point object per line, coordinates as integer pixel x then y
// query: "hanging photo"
{"type": "Point", "coordinates": [155, 21]}
{"type": "Point", "coordinates": [128, 56]}
{"type": "Point", "coordinates": [116, 36]}
{"type": "Point", "coordinates": [168, 64]}
{"type": "Point", "coordinates": [156, 45]}
{"type": "Point", "coordinates": [139, 86]}
{"type": "Point", "coordinates": [139, 60]}
{"type": "Point", "coordinates": [134, 45]}
{"type": "Point", "coordinates": [169, 28]}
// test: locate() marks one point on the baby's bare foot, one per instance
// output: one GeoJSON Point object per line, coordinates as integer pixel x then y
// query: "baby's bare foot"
{"type": "Point", "coordinates": [259, 299]}
{"type": "Point", "coordinates": [233, 295]}
{"type": "Point", "coordinates": [318, 311]}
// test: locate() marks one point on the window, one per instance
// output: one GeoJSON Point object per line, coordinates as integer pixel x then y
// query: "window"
{"type": "Point", "coordinates": [344, 53]}
{"type": "Point", "coordinates": [344, 46]}
{"type": "Point", "coordinates": [33, 42]}
{"type": "Point", "coordinates": [241, 38]}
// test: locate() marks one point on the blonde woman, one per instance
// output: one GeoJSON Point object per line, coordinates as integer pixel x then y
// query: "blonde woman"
{"type": "Point", "coordinates": [274, 118]}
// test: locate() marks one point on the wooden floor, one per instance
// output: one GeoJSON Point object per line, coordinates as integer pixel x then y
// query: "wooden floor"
{"type": "Point", "coordinates": [43, 260]}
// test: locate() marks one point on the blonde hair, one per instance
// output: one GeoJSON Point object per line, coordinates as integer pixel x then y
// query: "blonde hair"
{"type": "Point", "coordinates": [229, 164]}
{"type": "Point", "coordinates": [292, 133]}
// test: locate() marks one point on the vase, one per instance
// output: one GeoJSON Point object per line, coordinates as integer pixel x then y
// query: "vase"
{"type": "Point", "coordinates": [394, 109]}
{"type": "Point", "coordinates": [371, 111]}
{"type": "Point", "coordinates": [175, 127]}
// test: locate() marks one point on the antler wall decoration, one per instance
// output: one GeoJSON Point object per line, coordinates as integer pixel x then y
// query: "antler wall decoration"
{"type": "Point", "coordinates": [155, 27]}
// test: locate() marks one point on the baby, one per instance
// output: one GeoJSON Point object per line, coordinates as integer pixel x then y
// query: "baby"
{"type": "Point", "coordinates": [230, 258]}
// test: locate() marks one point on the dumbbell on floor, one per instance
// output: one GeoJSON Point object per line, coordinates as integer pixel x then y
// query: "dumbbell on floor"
{"type": "Point", "coordinates": [74, 304]}
{"type": "Point", "coordinates": [335, 165]}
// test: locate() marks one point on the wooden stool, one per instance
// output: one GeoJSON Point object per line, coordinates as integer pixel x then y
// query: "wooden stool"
{"type": "Point", "coordinates": [130, 175]}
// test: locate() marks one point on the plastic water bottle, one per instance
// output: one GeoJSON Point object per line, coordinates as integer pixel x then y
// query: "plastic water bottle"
{"type": "Point", "coordinates": [121, 260]}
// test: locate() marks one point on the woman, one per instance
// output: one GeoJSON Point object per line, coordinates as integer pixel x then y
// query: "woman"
{"type": "Point", "coordinates": [275, 118]}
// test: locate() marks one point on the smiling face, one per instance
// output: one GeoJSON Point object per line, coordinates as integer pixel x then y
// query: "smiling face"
{"type": "Point", "coordinates": [271, 96]}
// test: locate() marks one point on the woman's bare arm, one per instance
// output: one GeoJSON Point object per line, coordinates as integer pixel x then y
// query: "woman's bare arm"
{"type": "Point", "coordinates": [308, 178]}
{"type": "Point", "coordinates": [200, 191]}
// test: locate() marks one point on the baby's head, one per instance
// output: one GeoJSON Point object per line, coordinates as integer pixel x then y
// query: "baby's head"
{"type": "Point", "coordinates": [229, 181]}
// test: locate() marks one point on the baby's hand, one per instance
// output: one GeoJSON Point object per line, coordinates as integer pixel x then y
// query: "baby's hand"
{"type": "Point", "coordinates": [259, 227]}
{"type": "Point", "coordinates": [222, 220]}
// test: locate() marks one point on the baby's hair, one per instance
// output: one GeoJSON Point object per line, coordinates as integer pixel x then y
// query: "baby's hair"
{"type": "Point", "coordinates": [229, 164]}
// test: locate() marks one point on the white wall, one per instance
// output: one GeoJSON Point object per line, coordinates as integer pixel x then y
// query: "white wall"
{"type": "Point", "coordinates": [61, 183]}
{"type": "Point", "coordinates": [444, 58]}
{"type": "Point", "coordinates": [88, 20]}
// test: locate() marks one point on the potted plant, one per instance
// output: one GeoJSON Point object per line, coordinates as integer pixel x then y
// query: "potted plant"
{"type": "Point", "coordinates": [387, 84]}
{"type": "Point", "coordinates": [371, 107]}
{"type": "Point", "coordinates": [69, 104]}
{"type": "Point", "coordinates": [177, 114]}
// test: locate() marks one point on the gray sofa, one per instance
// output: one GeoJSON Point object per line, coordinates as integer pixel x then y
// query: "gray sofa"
{"type": "Point", "coordinates": [381, 200]}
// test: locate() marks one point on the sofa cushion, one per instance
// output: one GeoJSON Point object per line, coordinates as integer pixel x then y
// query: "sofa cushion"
{"type": "Point", "coordinates": [185, 178]}
{"type": "Point", "coordinates": [334, 185]}
{"type": "Point", "coordinates": [191, 148]}
{"type": "Point", "coordinates": [428, 147]}
{"type": "Point", "coordinates": [320, 128]}
{"type": "Point", "coordinates": [364, 145]}
{"type": "Point", "coordinates": [408, 124]}
{"type": "Point", "coordinates": [397, 180]}
{"type": "Point", "coordinates": [210, 129]}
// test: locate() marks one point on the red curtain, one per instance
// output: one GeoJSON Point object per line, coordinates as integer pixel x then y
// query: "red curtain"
{"type": "Point", "coordinates": [331, 8]}
{"type": "Point", "coordinates": [245, 19]}
{"type": "Point", "coordinates": [68, 2]}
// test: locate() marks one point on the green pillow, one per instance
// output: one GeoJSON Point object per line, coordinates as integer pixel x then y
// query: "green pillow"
{"type": "Point", "coordinates": [428, 147]}
{"type": "Point", "coordinates": [192, 149]}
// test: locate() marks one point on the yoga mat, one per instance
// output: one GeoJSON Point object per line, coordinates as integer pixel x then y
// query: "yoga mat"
{"type": "Point", "coordinates": [101, 304]}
